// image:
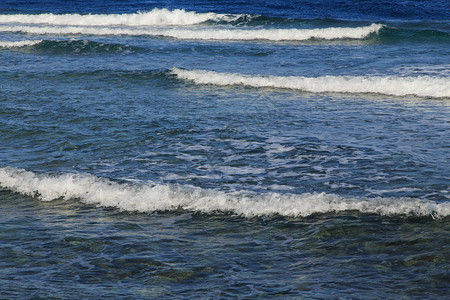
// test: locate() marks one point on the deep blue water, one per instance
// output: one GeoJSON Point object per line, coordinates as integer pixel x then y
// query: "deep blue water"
{"type": "Point", "coordinates": [224, 149]}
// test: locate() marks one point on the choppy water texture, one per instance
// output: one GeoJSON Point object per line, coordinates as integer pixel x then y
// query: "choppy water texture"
{"type": "Point", "coordinates": [204, 150]}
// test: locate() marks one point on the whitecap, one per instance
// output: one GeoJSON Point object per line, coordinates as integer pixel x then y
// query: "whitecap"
{"type": "Point", "coordinates": [150, 197]}
{"type": "Point", "coordinates": [232, 34]}
{"type": "Point", "coordinates": [18, 44]}
{"type": "Point", "coordinates": [423, 86]}
{"type": "Point", "coordinates": [151, 18]}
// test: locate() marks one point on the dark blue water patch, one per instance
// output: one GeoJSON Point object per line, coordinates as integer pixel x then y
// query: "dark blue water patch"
{"type": "Point", "coordinates": [75, 6]}
{"type": "Point", "coordinates": [76, 47]}
{"type": "Point", "coordinates": [393, 35]}
{"type": "Point", "coordinates": [353, 10]}
{"type": "Point", "coordinates": [80, 47]}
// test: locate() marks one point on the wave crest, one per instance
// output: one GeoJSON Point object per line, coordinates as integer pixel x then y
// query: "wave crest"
{"type": "Point", "coordinates": [18, 44]}
{"type": "Point", "coordinates": [423, 86]}
{"type": "Point", "coordinates": [331, 33]}
{"type": "Point", "coordinates": [153, 197]}
{"type": "Point", "coordinates": [152, 18]}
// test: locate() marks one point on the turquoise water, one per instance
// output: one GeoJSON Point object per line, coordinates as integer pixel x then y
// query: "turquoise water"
{"type": "Point", "coordinates": [224, 150]}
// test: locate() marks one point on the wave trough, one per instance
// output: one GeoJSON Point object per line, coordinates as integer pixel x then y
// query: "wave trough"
{"type": "Point", "coordinates": [153, 197]}
{"type": "Point", "coordinates": [422, 86]}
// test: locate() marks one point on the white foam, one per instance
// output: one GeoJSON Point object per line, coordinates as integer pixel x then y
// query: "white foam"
{"type": "Point", "coordinates": [17, 44]}
{"type": "Point", "coordinates": [152, 197]}
{"type": "Point", "coordinates": [151, 18]}
{"type": "Point", "coordinates": [209, 33]}
{"type": "Point", "coordinates": [423, 86]}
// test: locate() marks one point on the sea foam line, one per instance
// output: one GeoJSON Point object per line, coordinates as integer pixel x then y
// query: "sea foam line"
{"type": "Point", "coordinates": [423, 86]}
{"type": "Point", "coordinates": [153, 197]}
{"type": "Point", "coordinates": [330, 33]}
{"type": "Point", "coordinates": [13, 44]}
{"type": "Point", "coordinates": [151, 18]}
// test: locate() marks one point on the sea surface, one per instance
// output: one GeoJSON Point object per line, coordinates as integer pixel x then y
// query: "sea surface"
{"type": "Point", "coordinates": [225, 149]}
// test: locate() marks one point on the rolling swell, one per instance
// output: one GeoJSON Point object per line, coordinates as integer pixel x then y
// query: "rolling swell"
{"type": "Point", "coordinates": [148, 197]}
{"type": "Point", "coordinates": [391, 35]}
{"type": "Point", "coordinates": [431, 86]}
{"type": "Point", "coordinates": [151, 18]}
{"type": "Point", "coordinates": [163, 17]}
{"type": "Point", "coordinates": [73, 46]}
{"type": "Point", "coordinates": [423, 86]}
{"type": "Point", "coordinates": [19, 44]}
{"type": "Point", "coordinates": [70, 46]}
{"type": "Point", "coordinates": [373, 33]}
{"type": "Point", "coordinates": [427, 86]}
{"type": "Point", "coordinates": [331, 33]}
{"type": "Point", "coordinates": [181, 24]}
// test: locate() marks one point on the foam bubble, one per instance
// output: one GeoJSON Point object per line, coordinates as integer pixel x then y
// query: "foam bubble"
{"type": "Point", "coordinates": [423, 86]}
{"type": "Point", "coordinates": [151, 18]}
{"type": "Point", "coordinates": [149, 197]}
{"type": "Point", "coordinates": [17, 44]}
{"type": "Point", "coordinates": [331, 33]}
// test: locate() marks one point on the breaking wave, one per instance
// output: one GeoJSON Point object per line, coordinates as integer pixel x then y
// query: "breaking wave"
{"type": "Point", "coordinates": [18, 44]}
{"type": "Point", "coordinates": [153, 197]}
{"type": "Point", "coordinates": [330, 33]}
{"type": "Point", "coordinates": [151, 18]}
{"type": "Point", "coordinates": [422, 86]}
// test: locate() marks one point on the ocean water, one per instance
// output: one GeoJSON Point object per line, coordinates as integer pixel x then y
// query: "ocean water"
{"type": "Point", "coordinates": [224, 149]}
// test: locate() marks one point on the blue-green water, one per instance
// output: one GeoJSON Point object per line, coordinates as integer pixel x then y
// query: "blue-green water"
{"type": "Point", "coordinates": [208, 150]}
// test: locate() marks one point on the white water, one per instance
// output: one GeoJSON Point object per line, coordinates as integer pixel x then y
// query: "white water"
{"type": "Point", "coordinates": [151, 18]}
{"type": "Point", "coordinates": [150, 197]}
{"type": "Point", "coordinates": [209, 33]}
{"type": "Point", "coordinates": [423, 86]}
{"type": "Point", "coordinates": [13, 44]}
